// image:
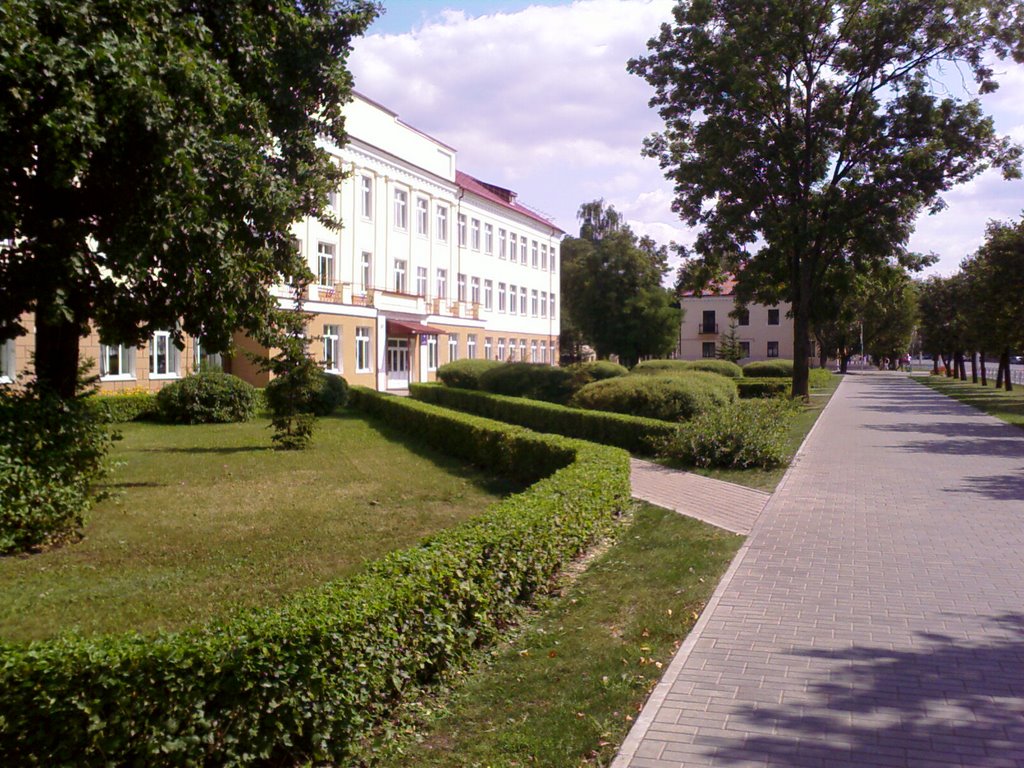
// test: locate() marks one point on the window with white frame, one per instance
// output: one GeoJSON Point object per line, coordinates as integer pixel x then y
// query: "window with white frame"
{"type": "Point", "coordinates": [544, 257]}
{"type": "Point", "coordinates": [7, 362]}
{"type": "Point", "coordinates": [474, 234]}
{"type": "Point", "coordinates": [474, 290]}
{"type": "Point", "coordinates": [522, 300]}
{"type": "Point", "coordinates": [460, 281]}
{"type": "Point", "coordinates": [422, 216]}
{"type": "Point", "coordinates": [332, 347]}
{"type": "Point", "coordinates": [522, 250]}
{"type": "Point", "coordinates": [163, 355]}
{"type": "Point", "coordinates": [325, 264]}
{"type": "Point", "coordinates": [513, 299]}
{"type": "Point", "coordinates": [366, 197]}
{"type": "Point", "coordinates": [502, 244]}
{"type": "Point", "coordinates": [511, 350]}
{"type": "Point", "coordinates": [534, 255]}
{"type": "Point", "coordinates": [522, 349]}
{"type": "Point", "coordinates": [203, 361]}
{"type": "Point", "coordinates": [554, 259]}
{"type": "Point", "coordinates": [773, 349]}
{"type": "Point", "coordinates": [533, 351]}
{"type": "Point", "coordinates": [442, 223]}
{"type": "Point", "coordinates": [551, 306]}
{"type": "Point", "coordinates": [534, 309]}
{"type": "Point", "coordinates": [117, 361]}
{"type": "Point", "coordinates": [400, 265]}
{"type": "Point", "coordinates": [501, 348]}
{"type": "Point", "coordinates": [364, 360]}
{"type": "Point", "coordinates": [441, 284]}
{"type": "Point", "coordinates": [488, 239]}
{"type": "Point", "coordinates": [421, 281]}
{"type": "Point", "coordinates": [488, 294]}
{"type": "Point", "coordinates": [544, 352]}
{"type": "Point", "coordinates": [366, 270]}
{"type": "Point", "coordinates": [462, 230]}
{"type": "Point", "coordinates": [453, 347]}
{"type": "Point", "coordinates": [332, 201]}
{"type": "Point", "coordinates": [401, 209]}
{"type": "Point", "coordinates": [471, 346]}
{"type": "Point", "coordinates": [543, 303]}
{"type": "Point", "coordinates": [501, 297]}
{"type": "Point", "coordinates": [488, 348]}
{"type": "Point", "coordinates": [432, 360]}
{"type": "Point", "coordinates": [513, 246]}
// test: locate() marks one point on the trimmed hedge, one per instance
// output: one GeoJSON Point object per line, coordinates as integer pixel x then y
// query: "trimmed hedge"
{"type": "Point", "coordinates": [633, 433]}
{"type": "Point", "coordinates": [465, 374]}
{"type": "Point", "coordinates": [305, 681]}
{"type": "Point", "coordinates": [661, 367]}
{"type": "Point", "coordinates": [674, 397]}
{"type": "Point", "coordinates": [595, 370]}
{"type": "Point", "coordinates": [533, 380]}
{"type": "Point", "coordinates": [820, 377]}
{"type": "Point", "coordinates": [207, 398]}
{"type": "Point", "coordinates": [123, 408]}
{"type": "Point", "coordinates": [764, 387]}
{"type": "Point", "coordinates": [769, 368]}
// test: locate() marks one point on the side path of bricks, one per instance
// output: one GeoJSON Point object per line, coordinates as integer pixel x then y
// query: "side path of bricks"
{"type": "Point", "coordinates": [875, 616]}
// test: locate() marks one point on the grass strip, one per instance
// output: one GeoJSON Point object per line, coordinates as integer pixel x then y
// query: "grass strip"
{"type": "Point", "coordinates": [565, 689]}
{"type": "Point", "coordinates": [1007, 406]}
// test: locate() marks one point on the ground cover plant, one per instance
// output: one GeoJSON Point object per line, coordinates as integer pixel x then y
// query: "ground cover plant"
{"type": "Point", "coordinates": [209, 517]}
{"type": "Point", "coordinates": [564, 690]}
{"type": "Point", "coordinates": [1008, 406]}
{"type": "Point", "coordinates": [674, 397]}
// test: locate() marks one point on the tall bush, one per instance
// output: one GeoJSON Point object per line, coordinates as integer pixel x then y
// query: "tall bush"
{"type": "Point", "coordinates": [670, 397]}
{"type": "Point", "coordinates": [748, 433]}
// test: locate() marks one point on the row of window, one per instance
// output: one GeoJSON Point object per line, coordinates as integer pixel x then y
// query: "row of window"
{"type": "Point", "coordinates": [332, 349]}
{"type": "Point", "coordinates": [709, 349]}
{"type": "Point", "coordinates": [708, 317]}
{"type": "Point", "coordinates": [117, 361]}
{"type": "Point", "coordinates": [532, 351]}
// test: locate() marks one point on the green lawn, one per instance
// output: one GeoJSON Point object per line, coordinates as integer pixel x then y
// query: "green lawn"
{"type": "Point", "coordinates": [1008, 406]}
{"type": "Point", "coordinates": [208, 518]}
{"type": "Point", "coordinates": [565, 689]}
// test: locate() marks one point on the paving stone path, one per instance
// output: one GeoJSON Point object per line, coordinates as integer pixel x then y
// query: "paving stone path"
{"type": "Point", "coordinates": [875, 615]}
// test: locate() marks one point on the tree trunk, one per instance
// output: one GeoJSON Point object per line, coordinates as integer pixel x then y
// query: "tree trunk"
{"type": "Point", "coordinates": [999, 373]}
{"type": "Point", "coordinates": [984, 373]}
{"type": "Point", "coordinates": [56, 363]}
{"type": "Point", "coordinates": [935, 364]}
{"type": "Point", "coordinates": [801, 331]}
{"type": "Point", "coordinates": [844, 363]}
{"type": "Point", "coordinates": [974, 366]}
{"type": "Point", "coordinates": [961, 369]}
{"type": "Point", "coordinates": [1006, 364]}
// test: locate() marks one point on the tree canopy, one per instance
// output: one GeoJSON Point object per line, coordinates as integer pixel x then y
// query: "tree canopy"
{"type": "Point", "coordinates": [801, 135]}
{"type": "Point", "coordinates": [153, 155]}
{"type": "Point", "coordinates": [611, 288]}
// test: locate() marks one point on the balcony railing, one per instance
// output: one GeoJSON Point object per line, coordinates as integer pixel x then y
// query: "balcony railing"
{"type": "Point", "coordinates": [707, 328]}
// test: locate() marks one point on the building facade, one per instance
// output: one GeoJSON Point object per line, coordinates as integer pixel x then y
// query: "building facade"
{"type": "Point", "coordinates": [430, 265]}
{"type": "Point", "coordinates": [763, 332]}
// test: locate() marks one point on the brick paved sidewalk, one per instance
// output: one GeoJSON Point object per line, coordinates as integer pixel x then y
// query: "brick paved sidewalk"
{"type": "Point", "coordinates": [875, 616]}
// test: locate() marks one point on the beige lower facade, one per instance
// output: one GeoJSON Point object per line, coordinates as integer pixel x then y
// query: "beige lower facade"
{"type": "Point", "coordinates": [763, 332]}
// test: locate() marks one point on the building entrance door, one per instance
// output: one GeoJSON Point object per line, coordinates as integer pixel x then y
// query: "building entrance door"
{"type": "Point", "coordinates": [398, 363]}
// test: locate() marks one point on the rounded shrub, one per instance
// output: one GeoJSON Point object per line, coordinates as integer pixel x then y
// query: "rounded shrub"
{"type": "Point", "coordinates": [325, 393]}
{"type": "Point", "coordinates": [465, 374]}
{"type": "Point", "coordinates": [675, 397]}
{"type": "Point", "coordinates": [660, 367]}
{"type": "Point", "coordinates": [770, 368]}
{"type": "Point", "coordinates": [207, 398]}
{"type": "Point", "coordinates": [533, 380]}
{"type": "Point", "coordinates": [595, 370]}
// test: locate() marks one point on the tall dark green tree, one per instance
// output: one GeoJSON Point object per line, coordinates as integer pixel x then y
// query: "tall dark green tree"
{"type": "Point", "coordinates": [611, 288]}
{"type": "Point", "coordinates": [153, 154]}
{"type": "Point", "coordinates": [801, 133]}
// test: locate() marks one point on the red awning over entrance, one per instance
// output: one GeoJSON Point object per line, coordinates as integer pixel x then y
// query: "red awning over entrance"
{"type": "Point", "coordinates": [405, 328]}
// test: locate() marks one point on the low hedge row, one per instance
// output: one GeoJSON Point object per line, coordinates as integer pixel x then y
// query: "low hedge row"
{"type": "Point", "coordinates": [659, 367]}
{"type": "Point", "coordinates": [119, 409]}
{"type": "Point", "coordinates": [773, 386]}
{"type": "Point", "coordinates": [769, 368]}
{"type": "Point", "coordinates": [633, 433]}
{"type": "Point", "coordinates": [672, 397]}
{"type": "Point", "coordinates": [305, 681]}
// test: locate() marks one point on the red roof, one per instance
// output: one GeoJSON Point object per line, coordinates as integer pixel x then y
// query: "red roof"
{"type": "Point", "coordinates": [500, 196]}
{"type": "Point", "coordinates": [725, 288]}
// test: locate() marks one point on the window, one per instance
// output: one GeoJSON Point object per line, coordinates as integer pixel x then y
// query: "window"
{"type": "Point", "coordinates": [363, 350]}
{"type": "Point", "coordinates": [553, 261]}
{"type": "Point", "coordinates": [543, 352]}
{"type": "Point", "coordinates": [366, 271]}
{"type": "Point", "coordinates": [442, 223]}
{"type": "Point", "coordinates": [533, 254]}
{"type": "Point", "coordinates": [332, 345]}
{"type": "Point", "coordinates": [513, 246]}
{"type": "Point", "coordinates": [707, 349]}
{"type": "Point", "coordinates": [543, 303]}
{"type": "Point", "coordinates": [488, 239]}
{"type": "Point", "coordinates": [441, 284]}
{"type": "Point", "coordinates": [522, 349]}
{"type": "Point", "coordinates": [743, 317]}
{"type": "Point", "coordinates": [401, 209]}
{"type": "Point", "coordinates": [366, 196]}
{"type": "Point", "coordinates": [488, 348]}
{"type": "Point", "coordinates": [744, 349]}
{"type": "Point", "coordinates": [462, 230]}
{"type": "Point", "coordinates": [432, 360]}
{"type": "Point", "coordinates": [533, 302]}
{"type": "Point", "coordinates": [501, 348]}
{"type": "Point", "coordinates": [117, 361]}
{"type": "Point", "coordinates": [773, 349]}
{"type": "Point", "coordinates": [400, 275]}
{"type": "Point", "coordinates": [203, 361]}
{"type": "Point", "coordinates": [474, 232]}
{"type": "Point", "coordinates": [422, 216]}
{"type": "Point", "coordinates": [471, 346]}
{"type": "Point", "coordinates": [453, 347]}
{"type": "Point", "coordinates": [502, 244]}
{"type": "Point", "coordinates": [533, 351]}
{"type": "Point", "coordinates": [773, 317]}
{"type": "Point", "coordinates": [522, 300]}
{"type": "Point", "coordinates": [488, 294]}
{"type": "Point", "coordinates": [501, 297]}
{"type": "Point", "coordinates": [163, 355]}
{"type": "Point", "coordinates": [551, 306]}
{"type": "Point", "coordinates": [513, 299]}
{"type": "Point", "coordinates": [522, 250]}
{"type": "Point", "coordinates": [332, 201]}
{"type": "Point", "coordinates": [708, 322]}
{"type": "Point", "coordinates": [511, 350]}
{"type": "Point", "coordinates": [421, 281]}
{"type": "Point", "coordinates": [325, 264]}
{"type": "Point", "coordinates": [544, 258]}
{"type": "Point", "coordinates": [460, 284]}
{"type": "Point", "coordinates": [474, 290]}
{"type": "Point", "coordinates": [7, 361]}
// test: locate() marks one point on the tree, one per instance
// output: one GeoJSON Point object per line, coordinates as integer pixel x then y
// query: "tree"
{"type": "Point", "coordinates": [611, 288]}
{"type": "Point", "coordinates": [802, 134]}
{"type": "Point", "coordinates": [729, 345]}
{"type": "Point", "coordinates": [152, 157]}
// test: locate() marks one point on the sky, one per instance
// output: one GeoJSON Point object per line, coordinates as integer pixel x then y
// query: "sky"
{"type": "Point", "coordinates": [535, 97]}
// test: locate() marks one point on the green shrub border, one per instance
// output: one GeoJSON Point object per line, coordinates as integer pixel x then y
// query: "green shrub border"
{"type": "Point", "coordinates": [633, 433]}
{"type": "Point", "coordinates": [118, 409]}
{"type": "Point", "coordinates": [774, 386]}
{"type": "Point", "coordinates": [306, 680]}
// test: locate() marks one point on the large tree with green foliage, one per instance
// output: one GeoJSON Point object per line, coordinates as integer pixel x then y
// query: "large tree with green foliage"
{"type": "Point", "coordinates": [153, 154]}
{"type": "Point", "coordinates": [611, 287]}
{"type": "Point", "coordinates": [800, 134]}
